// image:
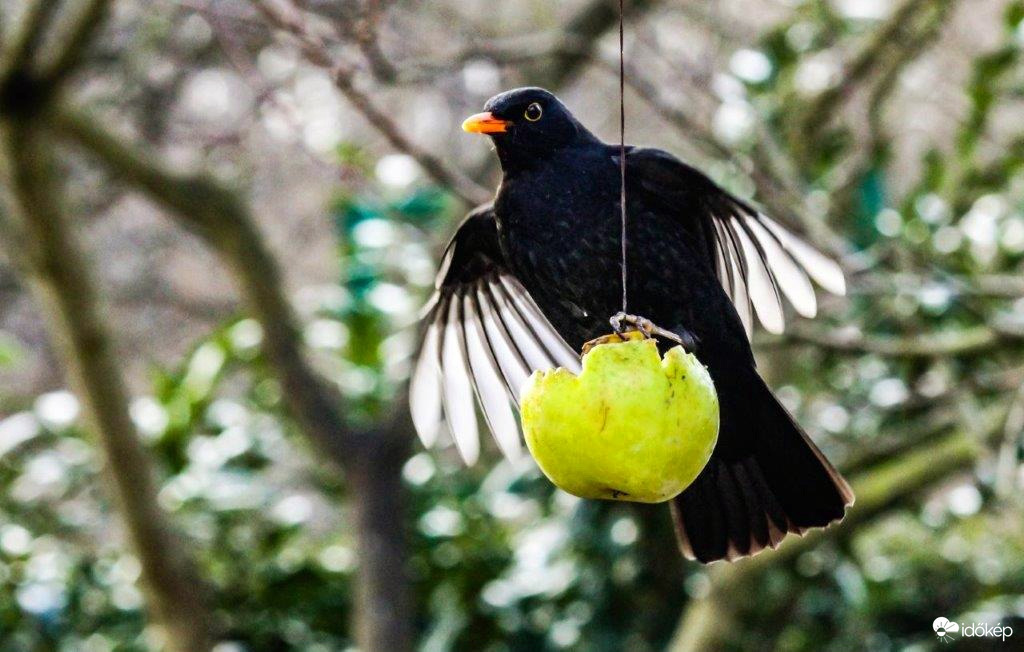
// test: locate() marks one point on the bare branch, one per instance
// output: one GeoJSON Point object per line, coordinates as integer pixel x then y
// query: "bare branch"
{"type": "Point", "coordinates": [584, 29]}
{"type": "Point", "coordinates": [64, 286]}
{"type": "Point", "coordinates": [508, 50]}
{"type": "Point", "coordinates": [223, 221]}
{"type": "Point", "coordinates": [1005, 286]}
{"type": "Point", "coordinates": [974, 339]}
{"type": "Point", "coordinates": [315, 50]}
{"type": "Point", "coordinates": [28, 36]}
{"type": "Point", "coordinates": [365, 32]}
{"type": "Point", "coordinates": [75, 40]}
{"type": "Point", "coordinates": [372, 457]}
{"type": "Point", "coordinates": [887, 41]}
{"type": "Point", "coordinates": [850, 173]}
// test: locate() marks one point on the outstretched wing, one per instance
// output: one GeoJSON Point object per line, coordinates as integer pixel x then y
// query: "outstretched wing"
{"type": "Point", "coordinates": [484, 336]}
{"type": "Point", "coordinates": [756, 259]}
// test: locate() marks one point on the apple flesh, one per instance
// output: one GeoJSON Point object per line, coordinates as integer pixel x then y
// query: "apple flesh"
{"type": "Point", "coordinates": [632, 426]}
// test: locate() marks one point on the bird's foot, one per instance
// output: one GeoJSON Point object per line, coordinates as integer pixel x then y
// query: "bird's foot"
{"type": "Point", "coordinates": [613, 338]}
{"type": "Point", "coordinates": [623, 323]}
{"type": "Point", "coordinates": [688, 340]}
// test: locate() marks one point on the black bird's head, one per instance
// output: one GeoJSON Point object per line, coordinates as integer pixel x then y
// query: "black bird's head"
{"type": "Point", "coordinates": [527, 125]}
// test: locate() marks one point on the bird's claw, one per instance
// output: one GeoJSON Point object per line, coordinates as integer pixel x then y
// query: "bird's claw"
{"type": "Point", "coordinates": [623, 323]}
{"type": "Point", "coordinates": [613, 338]}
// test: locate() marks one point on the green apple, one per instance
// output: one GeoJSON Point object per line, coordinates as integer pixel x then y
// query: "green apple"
{"type": "Point", "coordinates": [632, 426]}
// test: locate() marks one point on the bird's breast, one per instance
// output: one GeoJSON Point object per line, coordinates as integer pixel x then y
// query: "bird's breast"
{"type": "Point", "coordinates": [560, 231]}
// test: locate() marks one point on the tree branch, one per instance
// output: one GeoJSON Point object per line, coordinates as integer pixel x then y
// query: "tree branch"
{"type": "Point", "coordinates": [28, 36]}
{"type": "Point", "coordinates": [969, 340]}
{"type": "Point", "coordinates": [507, 50]}
{"type": "Point", "coordinates": [995, 285]}
{"type": "Point", "coordinates": [893, 34]}
{"type": "Point", "coordinates": [582, 31]}
{"type": "Point", "coordinates": [706, 622]}
{"type": "Point", "coordinates": [65, 289]}
{"type": "Point", "coordinates": [364, 31]}
{"type": "Point", "coordinates": [49, 253]}
{"type": "Point", "coordinates": [77, 37]}
{"type": "Point", "coordinates": [221, 219]}
{"type": "Point", "coordinates": [371, 457]}
{"type": "Point", "coordinates": [315, 51]}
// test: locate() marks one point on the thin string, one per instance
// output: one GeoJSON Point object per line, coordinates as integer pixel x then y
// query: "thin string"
{"type": "Point", "coordinates": [622, 149]}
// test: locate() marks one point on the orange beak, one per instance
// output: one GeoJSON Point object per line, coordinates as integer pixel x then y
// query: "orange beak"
{"type": "Point", "coordinates": [485, 123]}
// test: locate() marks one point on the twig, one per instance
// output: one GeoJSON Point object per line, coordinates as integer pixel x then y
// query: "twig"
{"type": "Point", "coordinates": [315, 52]}
{"type": "Point", "coordinates": [49, 252]}
{"type": "Point", "coordinates": [78, 36]}
{"type": "Point", "coordinates": [365, 32]}
{"type": "Point", "coordinates": [851, 172]}
{"type": "Point", "coordinates": [970, 340]}
{"type": "Point", "coordinates": [502, 51]}
{"type": "Point", "coordinates": [223, 221]}
{"type": "Point", "coordinates": [29, 34]}
{"type": "Point", "coordinates": [585, 29]}
{"type": "Point", "coordinates": [1005, 286]}
{"type": "Point", "coordinates": [235, 52]}
{"type": "Point", "coordinates": [822, 108]}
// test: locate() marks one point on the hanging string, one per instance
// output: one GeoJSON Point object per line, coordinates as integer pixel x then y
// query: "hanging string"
{"type": "Point", "coordinates": [622, 150]}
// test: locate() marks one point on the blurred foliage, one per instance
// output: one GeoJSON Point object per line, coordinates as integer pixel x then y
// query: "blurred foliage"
{"type": "Point", "coordinates": [9, 350]}
{"type": "Point", "coordinates": [500, 561]}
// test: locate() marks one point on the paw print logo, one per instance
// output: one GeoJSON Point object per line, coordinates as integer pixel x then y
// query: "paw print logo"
{"type": "Point", "coordinates": [945, 628]}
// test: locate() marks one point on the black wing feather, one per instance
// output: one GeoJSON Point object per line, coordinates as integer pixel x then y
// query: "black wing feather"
{"type": "Point", "coordinates": [484, 337]}
{"type": "Point", "coordinates": [756, 259]}
{"type": "Point", "coordinates": [766, 478]}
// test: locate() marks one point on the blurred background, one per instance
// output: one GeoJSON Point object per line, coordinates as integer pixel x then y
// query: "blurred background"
{"type": "Point", "coordinates": [220, 218]}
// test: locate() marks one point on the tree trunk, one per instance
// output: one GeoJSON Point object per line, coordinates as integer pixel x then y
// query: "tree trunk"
{"type": "Point", "coordinates": [383, 619]}
{"type": "Point", "coordinates": [61, 280]}
{"type": "Point", "coordinates": [371, 458]}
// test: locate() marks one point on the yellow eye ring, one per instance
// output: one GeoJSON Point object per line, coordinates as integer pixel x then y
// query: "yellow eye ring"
{"type": "Point", "coordinates": [533, 112]}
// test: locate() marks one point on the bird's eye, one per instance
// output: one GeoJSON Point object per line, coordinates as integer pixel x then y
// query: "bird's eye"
{"type": "Point", "coordinates": [533, 112]}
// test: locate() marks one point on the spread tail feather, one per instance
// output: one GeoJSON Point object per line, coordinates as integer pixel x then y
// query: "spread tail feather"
{"type": "Point", "coordinates": [765, 480]}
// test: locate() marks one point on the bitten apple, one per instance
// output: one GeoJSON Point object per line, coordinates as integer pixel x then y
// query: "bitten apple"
{"type": "Point", "coordinates": [632, 426]}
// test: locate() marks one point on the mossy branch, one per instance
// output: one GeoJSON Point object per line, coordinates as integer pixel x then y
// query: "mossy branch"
{"type": "Point", "coordinates": [60, 277]}
{"type": "Point", "coordinates": [372, 457]}
{"type": "Point", "coordinates": [975, 339]}
{"type": "Point", "coordinates": [706, 622]}
{"type": "Point", "coordinates": [45, 247]}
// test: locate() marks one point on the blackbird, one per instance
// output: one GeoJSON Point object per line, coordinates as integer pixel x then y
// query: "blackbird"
{"type": "Point", "coordinates": [532, 276]}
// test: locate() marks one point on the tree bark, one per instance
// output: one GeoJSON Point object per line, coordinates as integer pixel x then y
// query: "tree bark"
{"type": "Point", "coordinates": [61, 280]}
{"type": "Point", "coordinates": [371, 457]}
{"type": "Point", "coordinates": [384, 608]}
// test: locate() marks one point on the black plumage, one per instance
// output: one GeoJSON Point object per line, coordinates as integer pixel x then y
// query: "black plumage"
{"type": "Point", "coordinates": [528, 279]}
